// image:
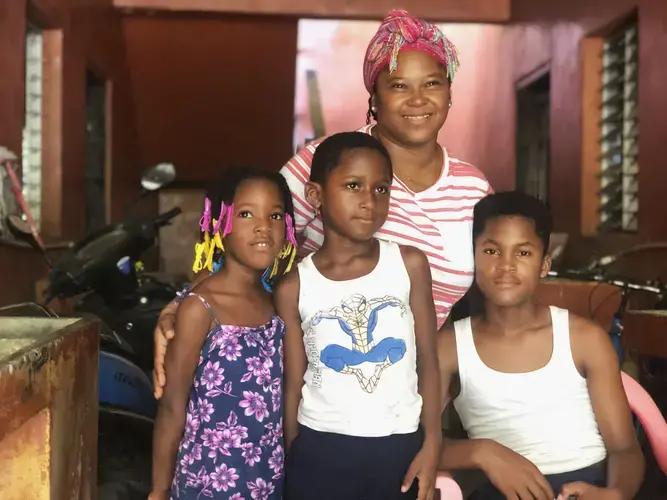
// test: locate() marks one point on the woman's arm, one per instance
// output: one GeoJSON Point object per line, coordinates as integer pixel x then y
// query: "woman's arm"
{"type": "Point", "coordinates": [423, 309]}
{"type": "Point", "coordinates": [287, 306]}
{"type": "Point", "coordinates": [192, 325]}
{"type": "Point", "coordinates": [297, 173]}
{"type": "Point", "coordinates": [164, 332]}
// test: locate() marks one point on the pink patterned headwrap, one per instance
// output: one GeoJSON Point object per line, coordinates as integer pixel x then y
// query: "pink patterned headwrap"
{"type": "Point", "coordinates": [400, 31]}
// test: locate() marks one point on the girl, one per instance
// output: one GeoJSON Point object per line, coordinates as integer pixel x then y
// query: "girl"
{"type": "Point", "coordinates": [224, 400]}
{"type": "Point", "coordinates": [360, 332]}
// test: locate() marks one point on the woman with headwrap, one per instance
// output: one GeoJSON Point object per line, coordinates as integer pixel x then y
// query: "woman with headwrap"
{"type": "Point", "coordinates": [408, 71]}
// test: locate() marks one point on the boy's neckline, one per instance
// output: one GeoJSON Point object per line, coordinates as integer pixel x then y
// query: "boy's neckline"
{"type": "Point", "coordinates": [370, 273]}
{"type": "Point", "coordinates": [540, 369]}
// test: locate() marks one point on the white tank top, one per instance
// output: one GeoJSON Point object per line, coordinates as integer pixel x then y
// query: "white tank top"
{"type": "Point", "coordinates": [359, 336]}
{"type": "Point", "coordinates": [544, 415]}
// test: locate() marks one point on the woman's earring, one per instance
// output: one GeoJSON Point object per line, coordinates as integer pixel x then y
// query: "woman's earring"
{"type": "Point", "coordinates": [373, 109]}
{"type": "Point", "coordinates": [450, 104]}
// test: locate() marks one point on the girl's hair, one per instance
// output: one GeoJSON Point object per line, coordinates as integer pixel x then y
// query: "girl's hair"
{"type": "Point", "coordinates": [210, 251]}
{"type": "Point", "coordinates": [231, 178]}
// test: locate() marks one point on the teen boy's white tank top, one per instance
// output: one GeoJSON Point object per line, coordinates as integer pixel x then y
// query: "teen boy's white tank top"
{"type": "Point", "coordinates": [544, 415]}
{"type": "Point", "coordinates": [359, 338]}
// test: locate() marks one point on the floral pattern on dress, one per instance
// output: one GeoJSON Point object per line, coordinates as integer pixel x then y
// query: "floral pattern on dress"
{"type": "Point", "coordinates": [232, 445]}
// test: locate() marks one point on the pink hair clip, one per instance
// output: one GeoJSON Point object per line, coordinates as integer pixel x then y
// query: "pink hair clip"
{"type": "Point", "coordinates": [218, 223]}
{"type": "Point", "coordinates": [205, 220]}
{"type": "Point", "coordinates": [289, 229]}
{"type": "Point", "coordinates": [228, 222]}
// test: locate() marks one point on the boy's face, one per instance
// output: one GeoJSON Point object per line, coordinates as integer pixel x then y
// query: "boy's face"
{"type": "Point", "coordinates": [509, 260]}
{"type": "Point", "coordinates": [355, 200]}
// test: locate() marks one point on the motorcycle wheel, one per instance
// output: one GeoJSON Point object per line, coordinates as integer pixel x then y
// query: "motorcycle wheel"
{"type": "Point", "coordinates": [124, 458]}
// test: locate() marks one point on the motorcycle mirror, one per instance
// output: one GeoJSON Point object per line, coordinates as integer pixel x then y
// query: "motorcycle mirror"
{"type": "Point", "coordinates": [158, 176]}
{"type": "Point", "coordinates": [20, 229]}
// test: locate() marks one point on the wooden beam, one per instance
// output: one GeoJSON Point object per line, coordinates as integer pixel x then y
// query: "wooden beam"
{"type": "Point", "coordinates": [478, 11]}
{"type": "Point", "coordinates": [591, 50]}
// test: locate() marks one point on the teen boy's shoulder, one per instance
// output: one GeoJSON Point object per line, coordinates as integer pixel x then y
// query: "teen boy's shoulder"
{"type": "Point", "coordinates": [446, 341]}
{"type": "Point", "coordinates": [588, 341]}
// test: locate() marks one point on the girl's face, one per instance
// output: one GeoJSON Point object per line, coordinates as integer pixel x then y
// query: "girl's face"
{"type": "Point", "coordinates": [258, 224]}
{"type": "Point", "coordinates": [412, 103]}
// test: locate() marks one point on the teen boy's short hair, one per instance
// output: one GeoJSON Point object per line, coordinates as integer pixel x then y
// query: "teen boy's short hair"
{"type": "Point", "coordinates": [513, 203]}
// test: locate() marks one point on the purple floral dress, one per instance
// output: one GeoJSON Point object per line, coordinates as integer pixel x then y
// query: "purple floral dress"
{"type": "Point", "coordinates": [232, 446]}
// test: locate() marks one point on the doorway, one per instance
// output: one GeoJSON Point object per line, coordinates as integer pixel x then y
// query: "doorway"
{"type": "Point", "coordinates": [96, 152]}
{"type": "Point", "coordinates": [532, 148]}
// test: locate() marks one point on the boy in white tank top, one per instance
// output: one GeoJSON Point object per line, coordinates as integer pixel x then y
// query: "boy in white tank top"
{"type": "Point", "coordinates": [537, 389]}
{"type": "Point", "coordinates": [361, 367]}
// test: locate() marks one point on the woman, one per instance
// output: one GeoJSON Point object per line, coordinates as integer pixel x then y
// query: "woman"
{"type": "Point", "coordinates": [408, 71]}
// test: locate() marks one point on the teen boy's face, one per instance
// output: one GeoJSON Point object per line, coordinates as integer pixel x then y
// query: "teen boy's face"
{"type": "Point", "coordinates": [509, 260]}
{"type": "Point", "coordinates": [355, 199]}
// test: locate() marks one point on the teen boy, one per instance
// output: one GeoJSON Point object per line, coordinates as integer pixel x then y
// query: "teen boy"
{"type": "Point", "coordinates": [537, 389]}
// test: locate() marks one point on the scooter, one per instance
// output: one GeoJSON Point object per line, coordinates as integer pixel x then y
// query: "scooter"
{"type": "Point", "coordinates": [105, 269]}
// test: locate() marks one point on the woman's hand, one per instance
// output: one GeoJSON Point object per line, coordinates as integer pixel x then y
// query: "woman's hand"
{"type": "Point", "coordinates": [163, 333]}
{"type": "Point", "coordinates": [158, 495]}
{"type": "Point", "coordinates": [423, 467]}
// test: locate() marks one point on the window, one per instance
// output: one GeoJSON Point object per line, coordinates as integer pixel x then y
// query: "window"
{"type": "Point", "coordinates": [31, 157]}
{"type": "Point", "coordinates": [619, 131]}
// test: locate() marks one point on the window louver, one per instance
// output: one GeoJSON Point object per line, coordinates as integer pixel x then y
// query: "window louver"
{"type": "Point", "coordinates": [619, 131]}
{"type": "Point", "coordinates": [31, 157]}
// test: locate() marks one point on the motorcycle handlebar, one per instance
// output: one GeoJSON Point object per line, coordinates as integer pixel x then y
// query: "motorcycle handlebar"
{"type": "Point", "coordinates": [163, 219]}
{"type": "Point", "coordinates": [621, 283]}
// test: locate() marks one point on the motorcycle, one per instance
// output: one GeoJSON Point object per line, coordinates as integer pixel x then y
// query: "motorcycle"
{"type": "Point", "coordinates": [105, 272]}
{"type": "Point", "coordinates": [625, 287]}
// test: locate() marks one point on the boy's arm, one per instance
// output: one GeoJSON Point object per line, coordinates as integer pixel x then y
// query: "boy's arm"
{"type": "Point", "coordinates": [192, 325]}
{"type": "Point", "coordinates": [423, 310]}
{"type": "Point", "coordinates": [287, 306]}
{"type": "Point", "coordinates": [593, 351]}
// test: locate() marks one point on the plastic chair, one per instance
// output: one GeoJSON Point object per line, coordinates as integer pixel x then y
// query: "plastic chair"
{"type": "Point", "coordinates": [641, 404]}
{"type": "Point", "coordinates": [448, 488]}
{"type": "Point", "coordinates": [647, 412]}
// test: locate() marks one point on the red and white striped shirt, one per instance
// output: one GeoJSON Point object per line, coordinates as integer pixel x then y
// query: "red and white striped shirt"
{"type": "Point", "coordinates": [438, 221]}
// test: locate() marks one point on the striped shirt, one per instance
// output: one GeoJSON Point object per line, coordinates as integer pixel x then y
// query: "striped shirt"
{"type": "Point", "coordinates": [438, 221]}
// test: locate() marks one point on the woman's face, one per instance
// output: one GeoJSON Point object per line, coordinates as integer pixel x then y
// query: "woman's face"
{"type": "Point", "coordinates": [412, 103]}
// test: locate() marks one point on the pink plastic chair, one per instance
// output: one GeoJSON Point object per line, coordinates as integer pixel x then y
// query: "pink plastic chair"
{"type": "Point", "coordinates": [448, 488]}
{"type": "Point", "coordinates": [641, 404]}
